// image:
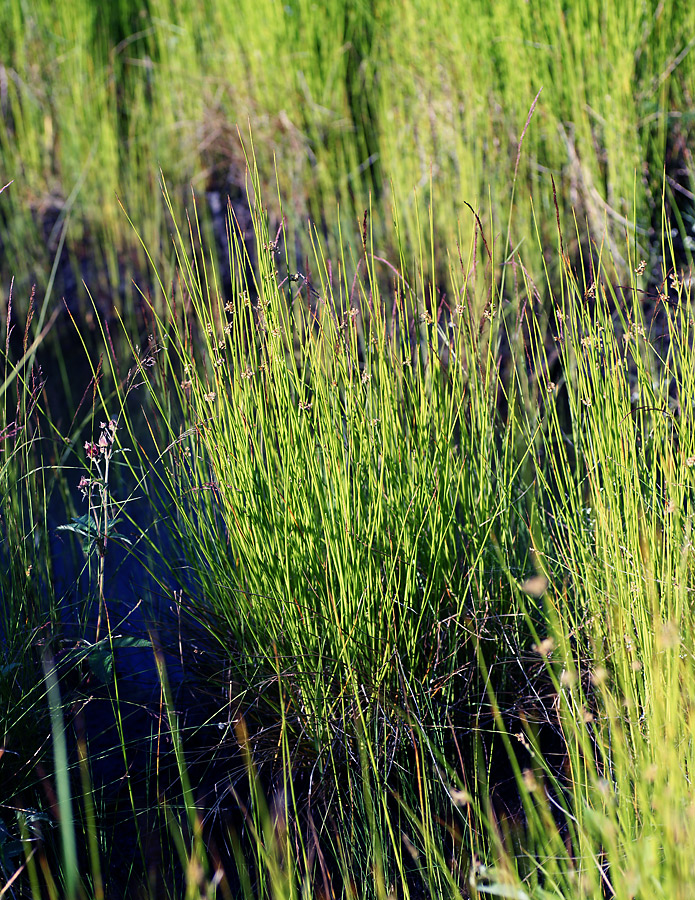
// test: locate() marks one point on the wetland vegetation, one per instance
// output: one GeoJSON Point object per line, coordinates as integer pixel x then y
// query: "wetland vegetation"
{"type": "Point", "coordinates": [348, 451]}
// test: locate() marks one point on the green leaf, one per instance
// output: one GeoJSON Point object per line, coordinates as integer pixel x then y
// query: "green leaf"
{"type": "Point", "coordinates": [87, 527]}
{"type": "Point", "coordinates": [10, 667]}
{"type": "Point", "coordinates": [100, 657]}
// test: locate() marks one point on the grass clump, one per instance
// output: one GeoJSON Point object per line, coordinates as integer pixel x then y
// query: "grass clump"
{"type": "Point", "coordinates": [342, 490]}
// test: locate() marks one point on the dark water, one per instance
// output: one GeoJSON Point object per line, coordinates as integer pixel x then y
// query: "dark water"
{"type": "Point", "coordinates": [114, 700]}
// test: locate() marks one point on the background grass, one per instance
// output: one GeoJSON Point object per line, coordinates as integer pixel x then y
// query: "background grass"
{"type": "Point", "coordinates": [359, 101]}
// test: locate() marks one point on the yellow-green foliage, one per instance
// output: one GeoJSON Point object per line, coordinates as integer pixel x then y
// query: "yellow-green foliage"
{"type": "Point", "coordinates": [349, 100]}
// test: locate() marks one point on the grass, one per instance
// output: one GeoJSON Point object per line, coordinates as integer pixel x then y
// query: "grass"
{"type": "Point", "coordinates": [351, 559]}
{"type": "Point", "coordinates": [355, 103]}
{"type": "Point", "coordinates": [433, 565]}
